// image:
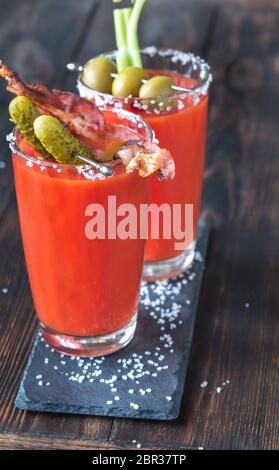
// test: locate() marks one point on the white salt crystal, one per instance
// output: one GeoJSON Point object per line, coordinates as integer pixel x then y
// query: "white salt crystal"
{"type": "Point", "coordinates": [204, 384]}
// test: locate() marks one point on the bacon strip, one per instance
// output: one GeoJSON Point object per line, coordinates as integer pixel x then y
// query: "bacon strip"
{"type": "Point", "coordinates": [81, 117]}
{"type": "Point", "coordinates": [148, 160]}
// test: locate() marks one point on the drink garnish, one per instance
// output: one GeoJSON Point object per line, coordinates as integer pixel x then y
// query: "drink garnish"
{"type": "Point", "coordinates": [23, 114]}
{"type": "Point", "coordinates": [131, 81]}
{"type": "Point", "coordinates": [62, 145]}
{"type": "Point", "coordinates": [126, 34]}
{"type": "Point", "coordinates": [71, 128]}
{"type": "Point", "coordinates": [148, 160]}
{"type": "Point", "coordinates": [81, 117]}
{"type": "Point", "coordinates": [99, 74]}
{"type": "Point", "coordinates": [58, 141]}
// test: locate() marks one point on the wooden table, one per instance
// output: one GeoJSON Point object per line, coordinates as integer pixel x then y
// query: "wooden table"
{"type": "Point", "coordinates": [237, 334]}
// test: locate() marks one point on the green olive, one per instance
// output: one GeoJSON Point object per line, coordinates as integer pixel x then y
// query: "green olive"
{"type": "Point", "coordinates": [58, 141]}
{"type": "Point", "coordinates": [23, 114]}
{"type": "Point", "coordinates": [157, 86]}
{"type": "Point", "coordinates": [129, 81]}
{"type": "Point", "coordinates": [97, 74]}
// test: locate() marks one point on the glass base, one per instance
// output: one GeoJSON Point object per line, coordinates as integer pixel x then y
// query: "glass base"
{"type": "Point", "coordinates": [155, 270]}
{"type": "Point", "coordinates": [90, 346]}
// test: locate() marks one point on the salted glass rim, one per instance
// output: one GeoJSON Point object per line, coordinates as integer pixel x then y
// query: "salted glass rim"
{"type": "Point", "coordinates": [12, 138]}
{"type": "Point", "coordinates": [205, 75]}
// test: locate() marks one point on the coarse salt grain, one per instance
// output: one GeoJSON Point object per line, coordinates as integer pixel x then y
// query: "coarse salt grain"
{"type": "Point", "coordinates": [134, 405]}
{"type": "Point", "coordinates": [204, 384]}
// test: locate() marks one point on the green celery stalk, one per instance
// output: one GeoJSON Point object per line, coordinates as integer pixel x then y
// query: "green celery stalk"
{"type": "Point", "coordinates": [126, 34]}
{"type": "Point", "coordinates": [132, 33]}
{"type": "Point", "coordinates": [127, 14]}
{"type": "Point", "coordinates": [121, 18]}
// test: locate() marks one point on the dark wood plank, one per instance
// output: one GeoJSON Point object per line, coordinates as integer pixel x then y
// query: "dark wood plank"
{"type": "Point", "coordinates": [32, 31]}
{"type": "Point", "coordinates": [233, 342]}
{"type": "Point", "coordinates": [16, 442]}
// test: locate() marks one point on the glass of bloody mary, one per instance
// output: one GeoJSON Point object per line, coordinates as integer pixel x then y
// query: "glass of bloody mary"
{"type": "Point", "coordinates": [180, 124]}
{"type": "Point", "coordinates": [85, 290]}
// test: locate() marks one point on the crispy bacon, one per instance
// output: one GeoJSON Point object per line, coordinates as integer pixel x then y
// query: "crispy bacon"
{"type": "Point", "coordinates": [80, 115]}
{"type": "Point", "coordinates": [148, 160]}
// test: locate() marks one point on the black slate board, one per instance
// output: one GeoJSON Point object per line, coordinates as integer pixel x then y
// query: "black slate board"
{"type": "Point", "coordinates": [145, 379]}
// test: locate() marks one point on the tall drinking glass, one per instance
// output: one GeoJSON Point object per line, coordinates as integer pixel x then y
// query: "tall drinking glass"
{"type": "Point", "coordinates": [180, 125]}
{"type": "Point", "coordinates": [85, 290]}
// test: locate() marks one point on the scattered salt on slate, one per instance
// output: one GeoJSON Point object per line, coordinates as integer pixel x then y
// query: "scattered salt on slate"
{"type": "Point", "coordinates": [145, 379]}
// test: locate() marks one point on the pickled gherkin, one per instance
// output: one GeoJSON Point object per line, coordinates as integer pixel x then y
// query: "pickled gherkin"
{"type": "Point", "coordinates": [58, 141]}
{"type": "Point", "coordinates": [23, 114]}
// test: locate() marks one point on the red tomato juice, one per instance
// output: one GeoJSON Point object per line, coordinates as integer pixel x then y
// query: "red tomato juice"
{"type": "Point", "coordinates": [183, 133]}
{"type": "Point", "coordinates": [80, 287]}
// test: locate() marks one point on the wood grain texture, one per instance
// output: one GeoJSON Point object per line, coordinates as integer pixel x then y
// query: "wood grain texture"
{"type": "Point", "coordinates": [26, 442]}
{"type": "Point", "coordinates": [231, 342]}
